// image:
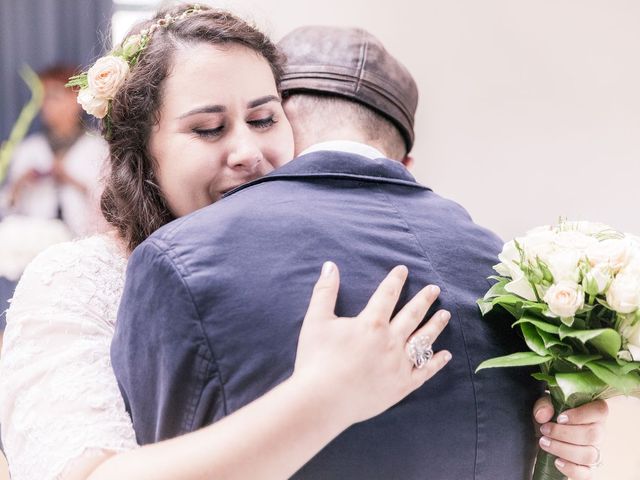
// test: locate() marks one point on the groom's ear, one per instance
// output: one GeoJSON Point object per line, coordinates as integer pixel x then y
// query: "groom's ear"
{"type": "Point", "coordinates": [407, 161]}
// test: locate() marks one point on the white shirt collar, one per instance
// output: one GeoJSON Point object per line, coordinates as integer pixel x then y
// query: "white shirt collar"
{"type": "Point", "coordinates": [346, 146]}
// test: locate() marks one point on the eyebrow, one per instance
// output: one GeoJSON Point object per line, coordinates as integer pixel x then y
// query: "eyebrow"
{"type": "Point", "coordinates": [221, 108]}
{"type": "Point", "coordinates": [262, 100]}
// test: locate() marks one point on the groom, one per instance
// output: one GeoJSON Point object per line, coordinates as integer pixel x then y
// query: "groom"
{"type": "Point", "coordinates": [352, 108]}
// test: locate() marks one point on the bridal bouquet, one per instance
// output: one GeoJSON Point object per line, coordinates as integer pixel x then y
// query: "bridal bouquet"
{"type": "Point", "coordinates": [574, 290]}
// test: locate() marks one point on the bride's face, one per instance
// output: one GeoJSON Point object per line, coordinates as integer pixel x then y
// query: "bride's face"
{"type": "Point", "coordinates": [221, 124]}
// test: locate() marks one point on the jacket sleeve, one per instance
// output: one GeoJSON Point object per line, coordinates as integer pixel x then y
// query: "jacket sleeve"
{"type": "Point", "coordinates": [160, 354]}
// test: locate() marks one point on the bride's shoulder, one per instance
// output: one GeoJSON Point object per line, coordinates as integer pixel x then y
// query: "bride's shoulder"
{"type": "Point", "coordinates": [95, 256]}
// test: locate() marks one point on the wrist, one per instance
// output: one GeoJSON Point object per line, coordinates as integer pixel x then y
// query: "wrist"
{"type": "Point", "coordinates": [323, 402]}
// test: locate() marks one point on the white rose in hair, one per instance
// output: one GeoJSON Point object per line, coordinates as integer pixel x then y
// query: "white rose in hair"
{"type": "Point", "coordinates": [98, 107]}
{"type": "Point", "coordinates": [106, 76]}
{"type": "Point", "coordinates": [564, 298]}
{"type": "Point", "coordinates": [131, 45]}
{"type": "Point", "coordinates": [624, 293]}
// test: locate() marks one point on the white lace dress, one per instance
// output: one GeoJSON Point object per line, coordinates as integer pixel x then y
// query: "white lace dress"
{"type": "Point", "coordinates": [59, 399]}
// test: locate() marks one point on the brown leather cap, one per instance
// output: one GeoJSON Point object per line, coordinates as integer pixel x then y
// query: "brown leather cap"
{"type": "Point", "coordinates": [350, 62]}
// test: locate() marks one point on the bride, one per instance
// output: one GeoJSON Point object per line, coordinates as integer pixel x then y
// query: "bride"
{"type": "Point", "coordinates": [61, 411]}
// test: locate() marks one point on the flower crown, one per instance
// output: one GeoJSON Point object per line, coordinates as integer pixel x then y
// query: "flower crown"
{"type": "Point", "coordinates": [99, 84]}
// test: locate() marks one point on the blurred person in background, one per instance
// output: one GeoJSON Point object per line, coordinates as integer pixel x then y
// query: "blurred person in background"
{"type": "Point", "coordinates": [55, 173]}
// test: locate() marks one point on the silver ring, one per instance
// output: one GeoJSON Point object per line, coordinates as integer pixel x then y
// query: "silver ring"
{"type": "Point", "coordinates": [420, 351]}
{"type": "Point", "coordinates": [598, 461]}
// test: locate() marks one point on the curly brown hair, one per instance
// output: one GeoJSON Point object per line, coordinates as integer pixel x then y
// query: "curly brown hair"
{"type": "Point", "coordinates": [132, 201]}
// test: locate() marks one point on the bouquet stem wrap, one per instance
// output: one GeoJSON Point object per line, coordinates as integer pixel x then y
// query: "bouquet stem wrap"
{"type": "Point", "coordinates": [545, 468]}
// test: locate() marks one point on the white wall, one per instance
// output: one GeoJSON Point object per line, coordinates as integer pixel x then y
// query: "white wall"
{"type": "Point", "coordinates": [529, 110]}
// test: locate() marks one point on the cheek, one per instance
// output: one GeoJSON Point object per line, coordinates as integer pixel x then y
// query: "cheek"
{"type": "Point", "coordinates": [281, 147]}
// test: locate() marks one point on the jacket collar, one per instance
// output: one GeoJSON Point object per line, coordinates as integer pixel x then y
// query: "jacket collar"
{"type": "Point", "coordinates": [339, 165]}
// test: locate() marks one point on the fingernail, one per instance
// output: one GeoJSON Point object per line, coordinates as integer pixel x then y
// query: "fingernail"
{"type": "Point", "coordinates": [433, 290]}
{"type": "Point", "coordinates": [446, 316]}
{"type": "Point", "coordinates": [447, 356]}
{"type": "Point", "coordinates": [545, 442]}
{"type": "Point", "coordinates": [545, 429]}
{"type": "Point", "coordinates": [559, 463]}
{"type": "Point", "coordinates": [562, 418]}
{"type": "Point", "coordinates": [537, 412]}
{"type": "Point", "coordinates": [327, 269]}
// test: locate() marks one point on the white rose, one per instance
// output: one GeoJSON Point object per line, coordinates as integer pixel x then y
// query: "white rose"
{"type": "Point", "coordinates": [508, 258]}
{"type": "Point", "coordinates": [633, 265]}
{"type": "Point", "coordinates": [508, 267]}
{"type": "Point", "coordinates": [634, 239]}
{"type": "Point", "coordinates": [564, 298]}
{"type": "Point", "coordinates": [614, 252]}
{"type": "Point", "coordinates": [632, 334]}
{"type": "Point", "coordinates": [599, 277]}
{"type": "Point", "coordinates": [521, 286]}
{"type": "Point", "coordinates": [538, 245]}
{"type": "Point", "coordinates": [624, 292]}
{"type": "Point", "coordinates": [106, 76]}
{"type": "Point", "coordinates": [574, 240]}
{"type": "Point", "coordinates": [563, 265]}
{"type": "Point", "coordinates": [131, 45]}
{"type": "Point", "coordinates": [98, 107]}
{"type": "Point", "coordinates": [588, 228]}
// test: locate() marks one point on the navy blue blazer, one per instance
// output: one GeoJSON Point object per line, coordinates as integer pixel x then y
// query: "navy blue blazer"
{"type": "Point", "coordinates": [214, 301]}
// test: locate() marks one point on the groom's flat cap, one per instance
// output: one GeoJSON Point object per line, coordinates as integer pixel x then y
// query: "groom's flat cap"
{"type": "Point", "coordinates": [352, 63]}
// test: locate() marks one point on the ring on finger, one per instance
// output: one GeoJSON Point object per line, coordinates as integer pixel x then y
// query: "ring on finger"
{"type": "Point", "coordinates": [598, 461]}
{"type": "Point", "coordinates": [420, 351]}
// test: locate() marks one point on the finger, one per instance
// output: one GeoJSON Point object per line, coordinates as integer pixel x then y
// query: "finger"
{"type": "Point", "coordinates": [591, 412]}
{"type": "Point", "coordinates": [408, 319]}
{"type": "Point", "coordinates": [325, 293]}
{"type": "Point", "coordinates": [434, 327]}
{"type": "Point", "coordinates": [384, 299]}
{"type": "Point", "coordinates": [573, 471]}
{"type": "Point", "coordinates": [420, 375]}
{"type": "Point", "coordinates": [591, 434]}
{"type": "Point", "coordinates": [578, 454]}
{"type": "Point", "coordinates": [543, 409]}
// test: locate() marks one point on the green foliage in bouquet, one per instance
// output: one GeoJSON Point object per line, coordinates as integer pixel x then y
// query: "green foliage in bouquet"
{"type": "Point", "coordinates": [559, 283]}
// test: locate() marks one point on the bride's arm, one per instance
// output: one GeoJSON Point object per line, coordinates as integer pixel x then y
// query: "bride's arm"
{"type": "Point", "coordinates": [59, 400]}
{"type": "Point", "coordinates": [346, 371]}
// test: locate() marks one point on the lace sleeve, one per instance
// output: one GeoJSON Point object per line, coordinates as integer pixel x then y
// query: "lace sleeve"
{"type": "Point", "coordinates": [59, 399]}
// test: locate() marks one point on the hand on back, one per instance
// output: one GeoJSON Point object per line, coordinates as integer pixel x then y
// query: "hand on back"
{"type": "Point", "coordinates": [362, 364]}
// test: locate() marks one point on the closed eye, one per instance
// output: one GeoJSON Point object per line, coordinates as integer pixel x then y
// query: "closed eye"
{"type": "Point", "coordinates": [209, 132]}
{"type": "Point", "coordinates": [262, 122]}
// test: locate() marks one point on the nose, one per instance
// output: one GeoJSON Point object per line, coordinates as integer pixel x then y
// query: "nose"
{"type": "Point", "coordinates": [245, 155]}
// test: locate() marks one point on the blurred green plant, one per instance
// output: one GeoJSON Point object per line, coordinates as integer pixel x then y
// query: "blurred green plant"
{"type": "Point", "coordinates": [27, 114]}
